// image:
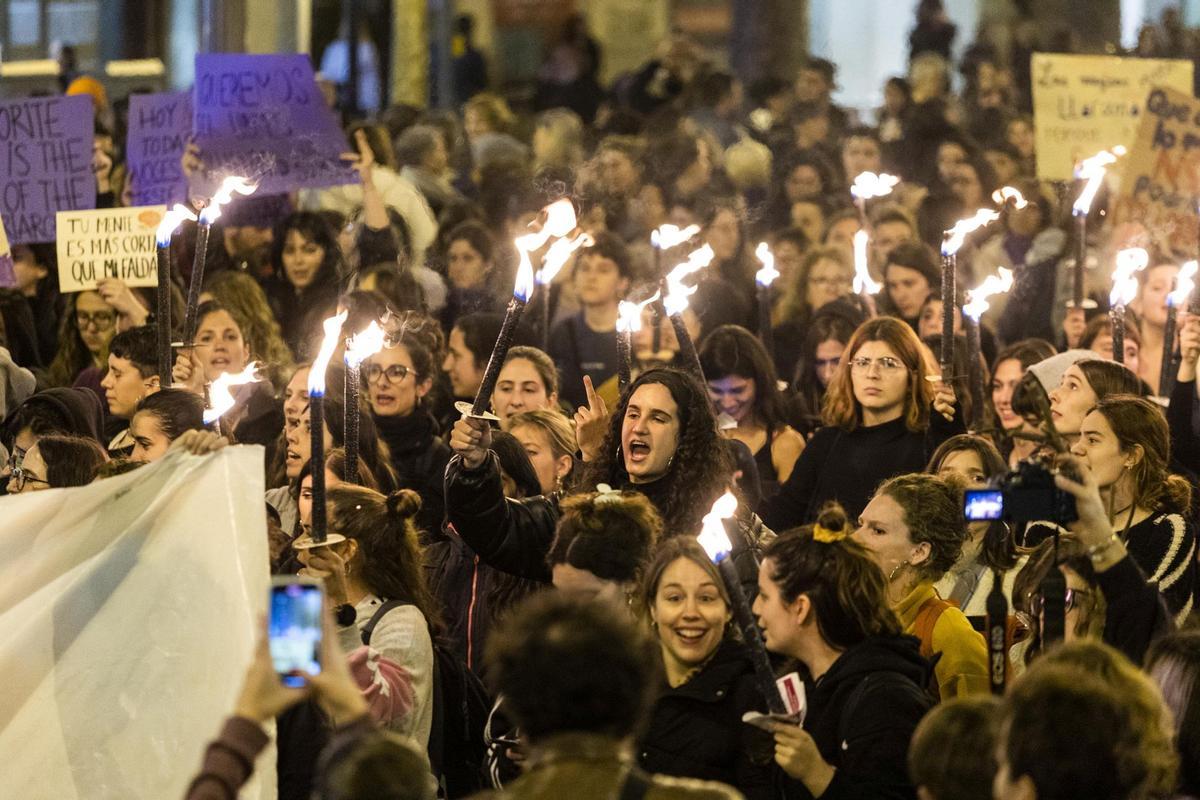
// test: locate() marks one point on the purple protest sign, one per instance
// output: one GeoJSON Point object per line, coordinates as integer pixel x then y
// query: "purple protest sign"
{"type": "Point", "coordinates": [45, 163]}
{"type": "Point", "coordinates": [159, 125]}
{"type": "Point", "coordinates": [263, 117]}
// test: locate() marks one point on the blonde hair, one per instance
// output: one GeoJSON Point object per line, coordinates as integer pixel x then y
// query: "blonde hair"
{"type": "Point", "coordinates": [557, 427]}
{"type": "Point", "coordinates": [566, 134]}
{"type": "Point", "coordinates": [748, 164]}
{"type": "Point", "coordinates": [494, 111]}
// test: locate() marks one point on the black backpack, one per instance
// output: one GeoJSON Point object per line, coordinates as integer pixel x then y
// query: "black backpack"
{"type": "Point", "coordinates": [457, 752]}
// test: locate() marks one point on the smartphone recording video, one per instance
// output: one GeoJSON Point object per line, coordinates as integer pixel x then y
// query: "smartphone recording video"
{"type": "Point", "coordinates": [295, 627]}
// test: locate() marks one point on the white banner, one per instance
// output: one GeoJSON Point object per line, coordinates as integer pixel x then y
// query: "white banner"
{"type": "Point", "coordinates": [128, 613]}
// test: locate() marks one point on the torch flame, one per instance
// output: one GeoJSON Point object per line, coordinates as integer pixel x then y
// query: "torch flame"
{"type": "Point", "coordinates": [1006, 193]}
{"type": "Point", "coordinates": [1184, 284]}
{"type": "Point", "coordinates": [629, 315]}
{"type": "Point", "coordinates": [953, 239]}
{"type": "Point", "coordinates": [523, 286]}
{"type": "Point", "coordinates": [977, 299]}
{"type": "Point", "coordinates": [1130, 262]}
{"type": "Point", "coordinates": [676, 298]}
{"type": "Point", "coordinates": [560, 218]}
{"type": "Point", "coordinates": [668, 235]}
{"type": "Point", "coordinates": [713, 537]}
{"type": "Point", "coordinates": [364, 344]}
{"type": "Point", "coordinates": [170, 221]}
{"type": "Point", "coordinates": [224, 194]}
{"type": "Point", "coordinates": [220, 397]}
{"type": "Point", "coordinates": [1093, 170]}
{"type": "Point", "coordinates": [767, 275]}
{"type": "Point", "coordinates": [316, 375]}
{"type": "Point", "coordinates": [558, 254]}
{"type": "Point", "coordinates": [863, 282]}
{"type": "Point", "coordinates": [868, 185]}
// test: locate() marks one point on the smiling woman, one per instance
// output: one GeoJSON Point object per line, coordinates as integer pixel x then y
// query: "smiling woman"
{"type": "Point", "coordinates": [306, 260]}
{"type": "Point", "coordinates": [696, 728]}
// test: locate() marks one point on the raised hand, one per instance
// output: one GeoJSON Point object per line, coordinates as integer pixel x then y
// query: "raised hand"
{"type": "Point", "coordinates": [471, 438]}
{"type": "Point", "coordinates": [591, 421]}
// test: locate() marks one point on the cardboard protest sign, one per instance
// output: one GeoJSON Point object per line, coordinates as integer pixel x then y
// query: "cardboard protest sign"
{"type": "Point", "coordinates": [263, 117]}
{"type": "Point", "coordinates": [107, 243]}
{"type": "Point", "coordinates": [1160, 178]}
{"type": "Point", "coordinates": [1084, 104]}
{"type": "Point", "coordinates": [45, 163]}
{"type": "Point", "coordinates": [159, 126]}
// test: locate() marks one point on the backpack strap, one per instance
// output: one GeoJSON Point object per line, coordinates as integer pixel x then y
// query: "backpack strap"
{"type": "Point", "coordinates": [369, 628]}
{"type": "Point", "coordinates": [927, 617]}
{"type": "Point", "coordinates": [635, 786]}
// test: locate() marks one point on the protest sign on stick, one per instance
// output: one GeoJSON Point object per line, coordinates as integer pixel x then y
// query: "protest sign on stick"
{"type": "Point", "coordinates": [1160, 179]}
{"type": "Point", "coordinates": [1082, 104]}
{"type": "Point", "coordinates": [108, 243]}
{"type": "Point", "coordinates": [45, 163]}
{"type": "Point", "coordinates": [263, 117]}
{"type": "Point", "coordinates": [159, 125]}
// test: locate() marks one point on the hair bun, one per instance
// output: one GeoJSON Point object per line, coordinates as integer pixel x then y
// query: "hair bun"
{"type": "Point", "coordinates": [404, 503]}
{"type": "Point", "coordinates": [832, 517]}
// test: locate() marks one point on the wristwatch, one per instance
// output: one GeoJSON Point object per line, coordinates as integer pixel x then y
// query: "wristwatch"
{"type": "Point", "coordinates": [345, 614]}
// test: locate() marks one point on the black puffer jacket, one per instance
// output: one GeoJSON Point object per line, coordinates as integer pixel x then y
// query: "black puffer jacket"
{"type": "Point", "coordinates": [862, 714]}
{"type": "Point", "coordinates": [514, 536]}
{"type": "Point", "coordinates": [696, 729]}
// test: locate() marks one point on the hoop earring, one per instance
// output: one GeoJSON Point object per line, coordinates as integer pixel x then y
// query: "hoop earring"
{"type": "Point", "coordinates": [897, 568]}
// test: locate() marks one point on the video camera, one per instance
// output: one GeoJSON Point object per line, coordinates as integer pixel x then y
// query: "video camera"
{"type": "Point", "coordinates": [1025, 494]}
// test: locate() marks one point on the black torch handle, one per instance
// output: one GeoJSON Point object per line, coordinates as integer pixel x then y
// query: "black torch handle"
{"type": "Point", "coordinates": [1166, 375]}
{"type": "Point", "coordinates": [624, 359]}
{"type": "Point", "coordinates": [997, 634]}
{"type": "Point", "coordinates": [1116, 316]}
{"type": "Point", "coordinates": [162, 315]}
{"type": "Point", "coordinates": [512, 316]}
{"type": "Point", "coordinates": [975, 370]}
{"type": "Point", "coordinates": [1080, 259]}
{"type": "Point", "coordinates": [352, 412]}
{"type": "Point", "coordinates": [765, 334]}
{"type": "Point", "coordinates": [316, 426]}
{"type": "Point", "coordinates": [949, 265]}
{"type": "Point", "coordinates": [195, 283]}
{"type": "Point", "coordinates": [752, 637]}
{"type": "Point", "coordinates": [687, 348]}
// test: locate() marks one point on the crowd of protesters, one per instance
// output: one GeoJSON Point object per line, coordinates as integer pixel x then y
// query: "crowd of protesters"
{"type": "Point", "coordinates": [519, 607]}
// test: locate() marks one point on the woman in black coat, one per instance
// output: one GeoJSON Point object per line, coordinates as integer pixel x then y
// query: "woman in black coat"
{"type": "Point", "coordinates": [696, 728]}
{"type": "Point", "coordinates": [662, 441]}
{"type": "Point", "coordinates": [304, 290]}
{"type": "Point", "coordinates": [822, 601]}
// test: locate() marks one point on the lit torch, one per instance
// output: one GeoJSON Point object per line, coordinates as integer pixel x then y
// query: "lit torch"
{"type": "Point", "coordinates": [675, 302]}
{"type": "Point", "coordinates": [1130, 262]}
{"type": "Point", "coordinates": [1184, 284]}
{"type": "Point", "coordinates": [316, 421]}
{"type": "Point", "coordinates": [716, 543]}
{"type": "Point", "coordinates": [522, 288]}
{"type": "Point", "coordinates": [208, 215]}
{"type": "Point", "coordinates": [1091, 171]}
{"type": "Point", "coordinates": [359, 348]}
{"type": "Point", "coordinates": [559, 252]}
{"type": "Point", "coordinates": [221, 399]}
{"type": "Point", "coordinates": [868, 186]}
{"type": "Point", "coordinates": [629, 322]}
{"type": "Point", "coordinates": [952, 241]}
{"type": "Point", "coordinates": [162, 295]}
{"type": "Point", "coordinates": [864, 284]}
{"type": "Point", "coordinates": [666, 237]}
{"type": "Point", "coordinates": [1006, 194]}
{"type": "Point", "coordinates": [763, 279]}
{"type": "Point", "coordinates": [977, 303]}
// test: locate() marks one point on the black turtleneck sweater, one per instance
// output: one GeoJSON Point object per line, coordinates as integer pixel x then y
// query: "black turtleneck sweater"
{"type": "Point", "coordinates": [419, 458]}
{"type": "Point", "coordinates": [847, 466]}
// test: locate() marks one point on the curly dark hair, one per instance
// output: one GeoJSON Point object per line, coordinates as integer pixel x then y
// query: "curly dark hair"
{"type": "Point", "coordinates": [933, 513]}
{"type": "Point", "coordinates": [701, 468]}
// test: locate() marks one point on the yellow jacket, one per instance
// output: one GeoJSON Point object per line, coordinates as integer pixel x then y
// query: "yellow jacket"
{"type": "Point", "coordinates": [962, 668]}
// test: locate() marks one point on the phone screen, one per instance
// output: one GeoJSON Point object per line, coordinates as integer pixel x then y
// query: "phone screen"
{"type": "Point", "coordinates": [295, 629]}
{"type": "Point", "coordinates": [983, 505]}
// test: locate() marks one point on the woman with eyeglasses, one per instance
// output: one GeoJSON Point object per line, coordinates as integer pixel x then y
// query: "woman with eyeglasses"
{"type": "Point", "coordinates": [55, 462]}
{"type": "Point", "coordinates": [399, 380]}
{"type": "Point", "coordinates": [88, 325]}
{"type": "Point", "coordinates": [882, 416]}
{"type": "Point", "coordinates": [824, 275]}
